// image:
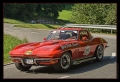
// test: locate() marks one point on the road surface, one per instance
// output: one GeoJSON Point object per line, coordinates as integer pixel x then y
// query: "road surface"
{"type": "Point", "coordinates": [107, 69]}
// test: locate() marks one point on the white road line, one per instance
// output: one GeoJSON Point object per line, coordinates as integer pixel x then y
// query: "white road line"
{"type": "Point", "coordinates": [113, 55]}
{"type": "Point", "coordinates": [35, 32]}
{"type": "Point", "coordinates": [63, 77]}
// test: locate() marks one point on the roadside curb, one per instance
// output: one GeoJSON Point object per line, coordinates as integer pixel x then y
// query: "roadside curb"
{"type": "Point", "coordinates": [8, 63]}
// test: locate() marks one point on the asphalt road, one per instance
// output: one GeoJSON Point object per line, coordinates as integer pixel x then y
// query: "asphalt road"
{"type": "Point", "coordinates": [107, 69]}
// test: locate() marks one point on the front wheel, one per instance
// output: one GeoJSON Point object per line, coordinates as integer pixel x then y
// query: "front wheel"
{"type": "Point", "coordinates": [64, 63]}
{"type": "Point", "coordinates": [20, 67]}
{"type": "Point", "coordinates": [99, 52]}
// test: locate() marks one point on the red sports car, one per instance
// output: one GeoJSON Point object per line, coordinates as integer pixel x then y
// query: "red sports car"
{"type": "Point", "coordinates": [64, 47]}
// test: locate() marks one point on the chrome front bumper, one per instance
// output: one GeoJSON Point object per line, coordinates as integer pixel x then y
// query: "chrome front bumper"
{"type": "Point", "coordinates": [35, 60]}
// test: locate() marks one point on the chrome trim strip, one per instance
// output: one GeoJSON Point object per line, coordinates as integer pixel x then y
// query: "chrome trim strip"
{"type": "Point", "coordinates": [20, 60]}
{"type": "Point", "coordinates": [46, 59]}
{"type": "Point", "coordinates": [35, 60]}
{"type": "Point", "coordinates": [75, 62]}
{"type": "Point", "coordinates": [83, 58]}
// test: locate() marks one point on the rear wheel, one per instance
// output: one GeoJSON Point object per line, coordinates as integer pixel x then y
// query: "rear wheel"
{"type": "Point", "coordinates": [99, 53]}
{"type": "Point", "coordinates": [64, 63]}
{"type": "Point", "coordinates": [20, 67]}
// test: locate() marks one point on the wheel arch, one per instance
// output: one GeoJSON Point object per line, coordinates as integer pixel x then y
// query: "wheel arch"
{"type": "Point", "coordinates": [98, 58]}
{"type": "Point", "coordinates": [69, 52]}
{"type": "Point", "coordinates": [97, 47]}
{"type": "Point", "coordinates": [59, 66]}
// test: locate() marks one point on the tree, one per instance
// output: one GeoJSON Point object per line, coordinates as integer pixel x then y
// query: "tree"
{"type": "Point", "coordinates": [95, 13]}
{"type": "Point", "coordinates": [112, 15]}
{"type": "Point", "coordinates": [25, 11]}
{"type": "Point", "coordinates": [49, 10]}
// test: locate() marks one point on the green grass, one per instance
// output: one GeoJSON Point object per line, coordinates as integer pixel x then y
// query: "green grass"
{"type": "Point", "coordinates": [38, 26]}
{"type": "Point", "coordinates": [9, 43]}
{"type": "Point", "coordinates": [26, 25]}
{"type": "Point", "coordinates": [12, 21]}
{"type": "Point", "coordinates": [65, 15]}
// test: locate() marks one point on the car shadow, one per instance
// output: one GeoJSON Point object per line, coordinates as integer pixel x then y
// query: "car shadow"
{"type": "Point", "coordinates": [75, 69]}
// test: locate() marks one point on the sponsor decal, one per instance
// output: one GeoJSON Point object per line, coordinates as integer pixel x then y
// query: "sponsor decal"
{"type": "Point", "coordinates": [87, 50]}
{"type": "Point", "coordinates": [27, 47]}
{"type": "Point", "coordinates": [28, 52]}
{"type": "Point", "coordinates": [69, 45]}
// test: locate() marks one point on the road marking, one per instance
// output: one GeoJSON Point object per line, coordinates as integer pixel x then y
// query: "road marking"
{"type": "Point", "coordinates": [63, 77]}
{"type": "Point", "coordinates": [35, 32]}
{"type": "Point", "coordinates": [113, 55]}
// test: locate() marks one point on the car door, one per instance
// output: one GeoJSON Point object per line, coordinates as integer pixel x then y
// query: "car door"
{"type": "Point", "coordinates": [86, 45]}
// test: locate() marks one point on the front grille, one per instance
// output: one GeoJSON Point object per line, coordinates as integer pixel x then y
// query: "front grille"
{"type": "Point", "coordinates": [44, 60]}
{"type": "Point", "coordinates": [35, 60]}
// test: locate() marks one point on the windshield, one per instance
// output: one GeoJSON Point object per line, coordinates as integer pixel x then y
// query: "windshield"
{"type": "Point", "coordinates": [63, 34]}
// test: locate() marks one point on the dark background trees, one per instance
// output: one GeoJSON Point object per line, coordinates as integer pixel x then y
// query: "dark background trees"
{"type": "Point", "coordinates": [23, 11]}
{"type": "Point", "coordinates": [82, 13]}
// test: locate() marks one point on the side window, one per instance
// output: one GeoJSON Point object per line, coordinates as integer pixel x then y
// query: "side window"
{"type": "Point", "coordinates": [84, 36]}
{"type": "Point", "coordinates": [90, 36]}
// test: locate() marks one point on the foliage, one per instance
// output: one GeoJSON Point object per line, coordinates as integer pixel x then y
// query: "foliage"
{"type": "Point", "coordinates": [65, 15]}
{"type": "Point", "coordinates": [9, 43]}
{"type": "Point", "coordinates": [112, 15]}
{"type": "Point", "coordinates": [98, 13]}
{"type": "Point", "coordinates": [23, 11]}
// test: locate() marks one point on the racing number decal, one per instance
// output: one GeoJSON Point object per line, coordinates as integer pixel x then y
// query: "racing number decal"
{"type": "Point", "coordinates": [87, 50]}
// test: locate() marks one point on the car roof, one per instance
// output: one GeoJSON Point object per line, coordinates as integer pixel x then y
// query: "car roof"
{"type": "Point", "coordinates": [70, 28]}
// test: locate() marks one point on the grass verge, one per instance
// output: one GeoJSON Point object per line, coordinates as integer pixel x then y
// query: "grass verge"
{"type": "Point", "coordinates": [9, 43]}
{"type": "Point", "coordinates": [28, 25]}
{"type": "Point", "coordinates": [38, 26]}
{"type": "Point", "coordinates": [12, 21]}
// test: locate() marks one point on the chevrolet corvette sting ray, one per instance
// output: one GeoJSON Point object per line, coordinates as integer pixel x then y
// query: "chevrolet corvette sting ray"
{"type": "Point", "coordinates": [64, 47]}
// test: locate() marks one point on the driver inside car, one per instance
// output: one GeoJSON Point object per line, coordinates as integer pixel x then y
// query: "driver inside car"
{"type": "Point", "coordinates": [74, 35]}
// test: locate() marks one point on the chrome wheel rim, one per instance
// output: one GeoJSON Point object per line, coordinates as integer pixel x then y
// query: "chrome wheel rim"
{"type": "Point", "coordinates": [100, 52]}
{"type": "Point", "coordinates": [65, 61]}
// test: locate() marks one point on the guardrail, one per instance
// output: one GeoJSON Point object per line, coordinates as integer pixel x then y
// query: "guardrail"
{"type": "Point", "coordinates": [111, 27]}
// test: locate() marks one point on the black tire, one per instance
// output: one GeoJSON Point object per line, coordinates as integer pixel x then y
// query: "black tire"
{"type": "Point", "coordinates": [64, 63]}
{"type": "Point", "coordinates": [20, 67]}
{"type": "Point", "coordinates": [99, 53]}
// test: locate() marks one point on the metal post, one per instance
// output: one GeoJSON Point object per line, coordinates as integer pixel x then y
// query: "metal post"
{"type": "Point", "coordinates": [111, 31]}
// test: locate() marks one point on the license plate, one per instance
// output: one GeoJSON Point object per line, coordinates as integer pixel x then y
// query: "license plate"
{"type": "Point", "coordinates": [29, 61]}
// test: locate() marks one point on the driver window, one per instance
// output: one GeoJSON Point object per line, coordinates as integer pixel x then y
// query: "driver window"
{"type": "Point", "coordinates": [84, 35]}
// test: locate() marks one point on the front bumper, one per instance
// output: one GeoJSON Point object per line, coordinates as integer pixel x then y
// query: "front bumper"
{"type": "Point", "coordinates": [36, 61]}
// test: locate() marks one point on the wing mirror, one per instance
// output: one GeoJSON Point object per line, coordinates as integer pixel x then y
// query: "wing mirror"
{"type": "Point", "coordinates": [44, 39]}
{"type": "Point", "coordinates": [84, 38]}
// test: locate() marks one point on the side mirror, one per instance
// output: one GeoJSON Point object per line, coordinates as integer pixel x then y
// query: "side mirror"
{"type": "Point", "coordinates": [84, 38]}
{"type": "Point", "coordinates": [44, 38]}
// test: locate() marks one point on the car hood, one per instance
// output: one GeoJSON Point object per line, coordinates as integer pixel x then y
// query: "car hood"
{"type": "Point", "coordinates": [38, 48]}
